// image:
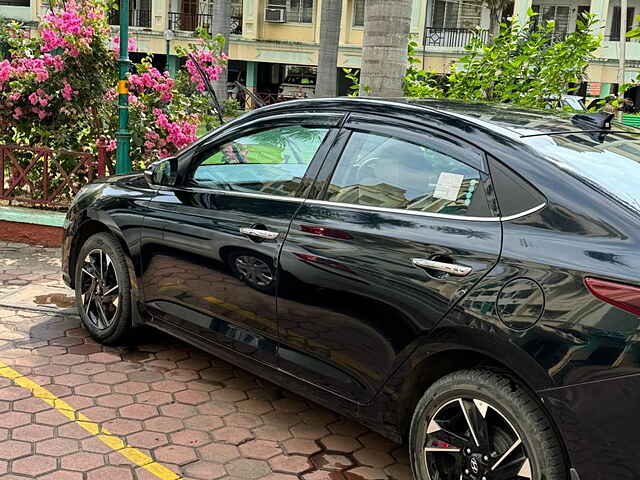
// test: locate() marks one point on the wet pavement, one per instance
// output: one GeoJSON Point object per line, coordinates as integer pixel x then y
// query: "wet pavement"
{"type": "Point", "coordinates": [71, 409]}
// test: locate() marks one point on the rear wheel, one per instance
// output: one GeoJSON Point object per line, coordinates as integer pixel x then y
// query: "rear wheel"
{"type": "Point", "coordinates": [480, 425]}
{"type": "Point", "coordinates": [103, 291]}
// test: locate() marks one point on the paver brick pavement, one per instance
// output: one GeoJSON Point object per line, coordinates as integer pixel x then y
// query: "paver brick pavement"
{"type": "Point", "coordinates": [191, 412]}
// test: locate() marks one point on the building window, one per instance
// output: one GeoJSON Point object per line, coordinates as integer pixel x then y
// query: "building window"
{"type": "Point", "coordinates": [16, 3]}
{"type": "Point", "coordinates": [358, 13]}
{"type": "Point", "coordinates": [456, 14]}
{"type": "Point", "coordinates": [614, 35]}
{"type": "Point", "coordinates": [557, 14]}
{"type": "Point", "coordinates": [298, 11]}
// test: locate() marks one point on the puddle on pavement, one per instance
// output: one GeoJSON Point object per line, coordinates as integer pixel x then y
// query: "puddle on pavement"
{"type": "Point", "coordinates": [136, 356]}
{"type": "Point", "coordinates": [58, 299]}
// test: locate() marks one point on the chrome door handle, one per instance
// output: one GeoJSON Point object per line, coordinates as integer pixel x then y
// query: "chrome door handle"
{"type": "Point", "coordinates": [450, 268]}
{"type": "Point", "coordinates": [254, 232]}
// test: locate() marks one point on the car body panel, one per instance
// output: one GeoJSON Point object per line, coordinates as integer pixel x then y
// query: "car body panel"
{"type": "Point", "coordinates": [188, 279]}
{"type": "Point", "coordinates": [345, 277]}
{"type": "Point", "coordinates": [528, 312]}
{"type": "Point", "coordinates": [599, 426]}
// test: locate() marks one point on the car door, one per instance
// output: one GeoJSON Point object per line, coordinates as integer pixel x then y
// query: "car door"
{"type": "Point", "coordinates": [214, 271]}
{"type": "Point", "coordinates": [399, 228]}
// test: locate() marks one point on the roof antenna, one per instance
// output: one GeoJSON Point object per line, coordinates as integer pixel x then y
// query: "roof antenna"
{"type": "Point", "coordinates": [213, 98]}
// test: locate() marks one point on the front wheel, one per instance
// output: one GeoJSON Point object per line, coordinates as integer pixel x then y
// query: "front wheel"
{"type": "Point", "coordinates": [103, 288]}
{"type": "Point", "coordinates": [481, 425]}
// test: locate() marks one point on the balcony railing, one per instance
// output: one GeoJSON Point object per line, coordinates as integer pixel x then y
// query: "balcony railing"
{"type": "Point", "coordinates": [452, 37]}
{"type": "Point", "coordinates": [189, 22]}
{"type": "Point", "coordinates": [137, 18]}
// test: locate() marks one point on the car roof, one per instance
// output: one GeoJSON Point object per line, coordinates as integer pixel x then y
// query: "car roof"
{"type": "Point", "coordinates": [506, 119]}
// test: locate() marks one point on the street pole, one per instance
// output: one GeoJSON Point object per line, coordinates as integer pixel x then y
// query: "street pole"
{"type": "Point", "coordinates": [170, 63]}
{"type": "Point", "coordinates": [623, 46]}
{"type": "Point", "coordinates": [123, 160]}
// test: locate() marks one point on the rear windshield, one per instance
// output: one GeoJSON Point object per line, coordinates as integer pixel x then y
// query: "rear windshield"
{"type": "Point", "coordinates": [609, 163]}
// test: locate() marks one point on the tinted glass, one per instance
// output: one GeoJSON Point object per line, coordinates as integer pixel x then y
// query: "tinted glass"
{"type": "Point", "coordinates": [271, 161]}
{"type": "Point", "coordinates": [610, 163]}
{"type": "Point", "coordinates": [515, 194]}
{"type": "Point", "coordinates": [381, 171]}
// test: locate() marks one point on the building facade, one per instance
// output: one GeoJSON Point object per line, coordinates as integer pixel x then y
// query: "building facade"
{"type": "Point", "coordinates": [275, 42]}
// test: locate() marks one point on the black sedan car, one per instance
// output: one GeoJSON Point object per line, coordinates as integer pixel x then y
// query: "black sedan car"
{"type": "Point", "coordinates": [464, 277]}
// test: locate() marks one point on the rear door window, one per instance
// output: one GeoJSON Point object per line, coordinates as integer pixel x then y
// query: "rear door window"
{"type": "Point", "coordinates": [382, 171]}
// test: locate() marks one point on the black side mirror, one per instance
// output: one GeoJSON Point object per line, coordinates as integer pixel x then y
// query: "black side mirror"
{"type": "Point", "coordinates": [162, 173]}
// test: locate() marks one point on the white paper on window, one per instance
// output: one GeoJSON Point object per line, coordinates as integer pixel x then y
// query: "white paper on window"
{"type": "Point", "coordinates": [448, 186]}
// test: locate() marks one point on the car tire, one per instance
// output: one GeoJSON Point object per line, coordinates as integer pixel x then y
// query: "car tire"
{"type": "Point", "coordinates": [103, 289]}
{"type": "Point", "coordinates": [503, 416]}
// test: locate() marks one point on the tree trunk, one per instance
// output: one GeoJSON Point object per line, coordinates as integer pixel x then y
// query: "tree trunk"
{"type": "Point", "coordinates": [220, 24]}
{"type": "Point", "coordinates": [327, 81]}
{"type": "Point", "coordinates": [495, 17]}
{"type": "Point", "coordinates": [384, 53]}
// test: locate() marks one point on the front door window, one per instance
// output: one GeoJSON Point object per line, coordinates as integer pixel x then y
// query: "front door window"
{"type": "Point", "coordinates": [271, 162]}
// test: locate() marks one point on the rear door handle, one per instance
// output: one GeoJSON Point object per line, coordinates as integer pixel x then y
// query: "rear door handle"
{"type": "Point", "coordinates": [254, 232]}
{"type": "Point", "coordinates": [450, 268]}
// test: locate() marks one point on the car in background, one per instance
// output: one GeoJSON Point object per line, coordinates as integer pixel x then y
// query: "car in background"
{"type": "Point", "coordinates": [572, 102]}
{"type": "Point", "coordinates": [596, 104]}
{"type": "Point", "coordinates": [463, 277]}
{"type": "Point", "coordinates": [299, 82]}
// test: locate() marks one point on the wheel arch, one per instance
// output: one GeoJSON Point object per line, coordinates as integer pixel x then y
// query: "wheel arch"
{"type": "Point", "coordinates": [86, 229]}
{"type": "Point", "coordinates": [426, 369]}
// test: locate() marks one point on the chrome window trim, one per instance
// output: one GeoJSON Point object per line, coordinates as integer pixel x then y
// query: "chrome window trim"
{"type": "Point", "coordinates": [523, 214]}
{"type": "Point", "coordinates": [400, 210]}
{"type": "Point", "coordinates": [213, 191]}
{"type": "Point", "coordinates": [427, 214]}
{"type": "Point", "coordinates": [267, 196]}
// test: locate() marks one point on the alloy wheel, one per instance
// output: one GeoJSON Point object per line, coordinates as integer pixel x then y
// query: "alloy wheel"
{"type": "Point", "coordinates": [100, 290]}
{"type": "Point", "coordinates": [469, 439]}
{"type": "Point", "coordinates": [254, 270]}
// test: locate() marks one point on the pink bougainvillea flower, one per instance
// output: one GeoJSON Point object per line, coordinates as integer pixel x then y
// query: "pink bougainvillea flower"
{"type": "Point", "coordinates": [68, 92]}
{"type": "Point", "coordinates": [209, 63]}
{"type": "Point", "coordinates": [6, 70]}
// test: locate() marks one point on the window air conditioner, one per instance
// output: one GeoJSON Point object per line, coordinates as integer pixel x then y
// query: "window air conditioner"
{"type": "Point", "coordinates": [275, 15]}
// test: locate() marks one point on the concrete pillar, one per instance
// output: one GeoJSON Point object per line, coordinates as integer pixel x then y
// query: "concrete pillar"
{"type": "Point", "coordinates": [345, 20]}
{"type": "Point", "coordinates": [317, 5]}
{"type": "Point", "coordinates": [159, 15]}
{"type": "Point", "coordinates": [417, 13]}
{"type": "Point", "coordinates": [520, 10]}
{"type": "Point", "coordinates": [600, 8]}
{"type": "Point", "coordinates": [250, 18]}
{"type": "Point", "coordinates": [252, 82]}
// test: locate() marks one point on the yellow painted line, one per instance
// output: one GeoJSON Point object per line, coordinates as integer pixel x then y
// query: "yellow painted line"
{"type": "Point", "coordinates": [115, 443]}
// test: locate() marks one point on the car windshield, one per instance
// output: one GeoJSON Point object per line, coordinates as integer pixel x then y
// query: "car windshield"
{"type": "Point", "coordinates": [609, 163]}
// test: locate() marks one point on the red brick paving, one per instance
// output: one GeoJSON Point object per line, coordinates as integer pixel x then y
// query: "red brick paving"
{"type": "Point", "coordinates": [191, 412]}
